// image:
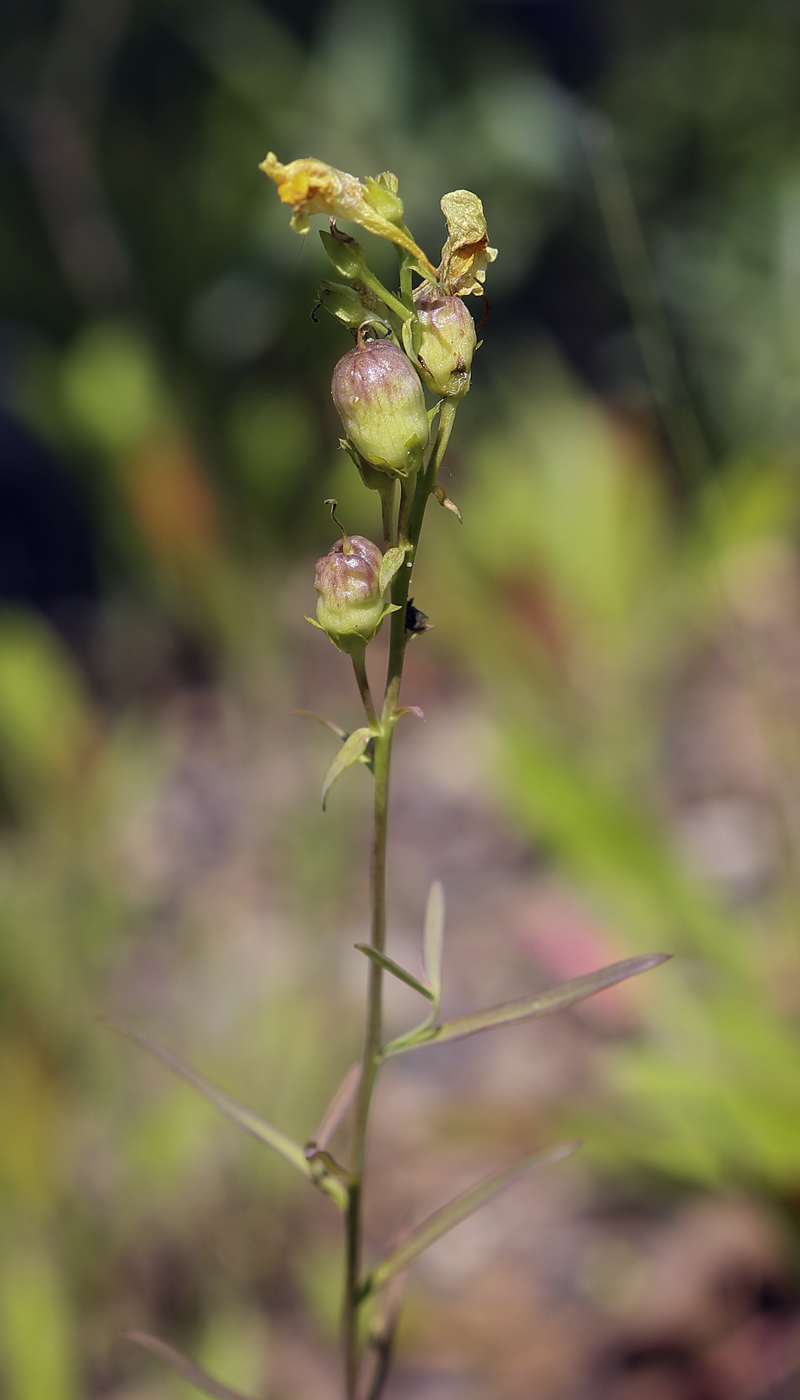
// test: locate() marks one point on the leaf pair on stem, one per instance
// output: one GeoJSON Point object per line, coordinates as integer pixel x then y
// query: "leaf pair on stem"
{"type": "Point", "coordinates": [315, 1162]}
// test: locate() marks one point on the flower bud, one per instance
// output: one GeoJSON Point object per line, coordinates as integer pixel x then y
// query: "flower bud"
{"type": "Point", "coordinates": [381, 404]}
{"type": "Point", "coordinates": [447, 342]}
{"type": "Point", "coordinates": [350, 607]}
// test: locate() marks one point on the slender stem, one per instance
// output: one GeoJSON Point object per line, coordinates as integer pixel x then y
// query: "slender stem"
{"type": "Point", "coordinates": [387, 501]}
{"type": "Point", "coordinates": [411, 516]}
{"type": "Point", "coordinates": [383, 746]}
{"type": "Point", "coordinates": [406, 498]}
{"type": "Point", "coordinates": [360, 668]}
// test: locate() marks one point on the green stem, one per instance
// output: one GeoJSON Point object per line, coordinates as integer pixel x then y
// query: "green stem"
{"type": "Point", "coordinates": [387, 501]}
{"type": "Point", "coordinates": [360, 668]}
{"type": "Point", "coordinates": [370, 280]}
{"type": "Point", "coordinates": [372, 1043]}
{"type": "Point", "coordinates": [412, 516]}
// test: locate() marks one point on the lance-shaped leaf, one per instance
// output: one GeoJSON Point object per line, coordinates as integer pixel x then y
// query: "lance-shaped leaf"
{"type": "Point", "coordinates": [349, 753]}
{"type": "Point", "coordinates": [545, 1004]}
{"type": "Point", "coordinates": [191, 1372]}
{"type": "Point", "coordinates": [433, 938]}
{"type": "Point", "coordinates": [457, 1210]}
{"type": "Point", "coordinates": [338, 1106]}
{"type": "Point", "coordinates": [238, 1112]}
{"type": "Point", "coordinates": [391, 562]}
{"type": "Point", "coordinates": [389, 965]}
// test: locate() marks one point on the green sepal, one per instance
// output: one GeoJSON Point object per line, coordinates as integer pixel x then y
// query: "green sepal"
{"type": "Point", "coordinates": [346, 255]}
{"type": "Point", "coordinates": [389, 965]}
{"type": "Point", "coordinates": [411, 339]}
{"type": "Point", "coordinates": [384, 197]}
{"type": "Point", "coordinates": [345, 304]}
{"type": "Point", "coordinates": [373, 479]}
{"type": "Point", "coordinates": [350, 752]}
{"type": "Point", "coordinates": [350, 641]}
{"type": "Point", "coordinates": [391, 563]}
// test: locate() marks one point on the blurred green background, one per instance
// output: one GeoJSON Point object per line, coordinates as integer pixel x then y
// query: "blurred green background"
{"type": "Point", "coordinates": [612, 682]}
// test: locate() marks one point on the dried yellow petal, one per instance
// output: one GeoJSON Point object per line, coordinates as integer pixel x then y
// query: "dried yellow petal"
{"type": "Point", "coordinates": [466, 254]}
{"type": "Point", "coordinates": [311, 186]}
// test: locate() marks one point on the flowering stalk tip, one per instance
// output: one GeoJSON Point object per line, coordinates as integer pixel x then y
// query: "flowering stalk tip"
{"type": "Point", "coordinates": [312, 186]}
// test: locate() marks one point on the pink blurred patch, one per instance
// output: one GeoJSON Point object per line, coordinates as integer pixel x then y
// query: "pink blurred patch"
{"type": "Point", "coordinates": [565, 940]}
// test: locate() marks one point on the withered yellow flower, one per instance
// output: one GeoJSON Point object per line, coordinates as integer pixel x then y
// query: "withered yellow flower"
{"type": "Point", "coordinates": [466, 254]}
{"type": "Point", "coordinates": [311, 186]}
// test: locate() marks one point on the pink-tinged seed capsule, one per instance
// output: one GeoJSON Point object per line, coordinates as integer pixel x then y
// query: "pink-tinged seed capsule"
{"type": "Point", "coordinates": [447, 342]}
{"type": "Point", "coordinates": [381, 404]}
{"type": "Point", "coordinates": [350, 607]}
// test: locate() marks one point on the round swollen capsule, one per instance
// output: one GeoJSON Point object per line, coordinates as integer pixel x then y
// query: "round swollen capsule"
{"type": "Point", "coordinates": [447, 342]}
{"type": "Point", "coordinates": [381, 403]}
{"type": "Point", "coordinates": [350, 607]}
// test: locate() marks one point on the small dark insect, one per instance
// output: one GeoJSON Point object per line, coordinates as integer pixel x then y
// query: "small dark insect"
{"type": "Point", "coordinates": [416, 621]}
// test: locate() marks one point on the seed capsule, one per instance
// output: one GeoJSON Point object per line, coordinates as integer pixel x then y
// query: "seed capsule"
{"type": "Point", "coordinates": [380, 401]}
{"type": "Point", "coordinates": [447, 342]}
{"type": "Point", "coordinates": [350, 607]}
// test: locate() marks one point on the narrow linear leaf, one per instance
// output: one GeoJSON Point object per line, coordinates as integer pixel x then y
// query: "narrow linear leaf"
{"type": "Point", "coordinates": [444, 1220]}
{"type": "Point", "coordinates": [391, 562]}
{"type": "Point", "coordinates": [338, 1106]}
{"type": "Point", "coordinates": [433, 937]}
{"type": "Point", "coordinates": [334, 728]}
{"type": "Point", "coordinates": [545, 1004]}
{"type": "Point", "coordinates": [396, 970]}
{"type": "Point", "coordinates": [237, 1112]}
{"type": "Point", "coordinates": [350, 752]}
{"type": "Point", "coordinates": [192, 1373]}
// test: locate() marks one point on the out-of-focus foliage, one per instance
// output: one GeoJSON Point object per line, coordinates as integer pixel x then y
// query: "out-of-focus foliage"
{"type": "Point", "coordinates": [584, 594]}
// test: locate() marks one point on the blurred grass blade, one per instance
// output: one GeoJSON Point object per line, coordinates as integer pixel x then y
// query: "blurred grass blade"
{"type": "Point", "coordinates": [545, 1004]}
{"type": "Point", "coordinates": [338, 1106]}
{"type": "Point", "coordinates": [238, 1112]}
{"type": "Point", "coordinates": [192, 1373]}
{"type": "Point", "coordinates": [350, 752]}
{"type": "Point", "coordinates": [389, 965]}
{"type": "Point", "coordinates": [457, 1210]}
{"type": "Point", "coordinates": [433, 938]}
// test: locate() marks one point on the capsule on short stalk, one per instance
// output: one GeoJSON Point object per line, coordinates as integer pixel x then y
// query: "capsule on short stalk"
{"type": "Point", "coordinates": [380, 401]}
{"type": "Point", "coordinates": [350, 606]}
{"type": "Point", "coordinates": [447, 342]}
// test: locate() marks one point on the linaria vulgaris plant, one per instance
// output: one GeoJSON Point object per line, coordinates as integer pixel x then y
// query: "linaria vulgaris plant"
{"type": "Point", "coordinates": [419, 337]}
